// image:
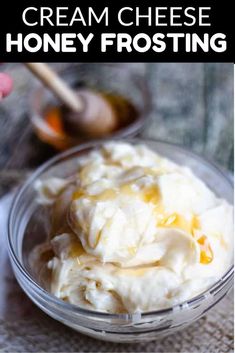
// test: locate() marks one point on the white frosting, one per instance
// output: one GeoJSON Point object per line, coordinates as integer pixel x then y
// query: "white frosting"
{"type": "Point", "coordinates": [134, 232]}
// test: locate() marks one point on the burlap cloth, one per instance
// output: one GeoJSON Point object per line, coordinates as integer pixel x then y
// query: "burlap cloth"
{"type": "Point", "coordinates": [24, 328]}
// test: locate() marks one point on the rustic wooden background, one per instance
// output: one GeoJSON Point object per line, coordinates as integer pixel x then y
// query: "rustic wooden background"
{"type": "Point", "coordinates": [192, 105]}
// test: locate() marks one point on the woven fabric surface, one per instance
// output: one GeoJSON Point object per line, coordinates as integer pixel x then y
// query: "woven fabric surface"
{"type": "Point", "coordinates": [39, 333]}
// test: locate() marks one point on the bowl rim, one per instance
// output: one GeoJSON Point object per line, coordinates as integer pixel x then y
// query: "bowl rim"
{"type": "Point", "coordinates": [185, 305]}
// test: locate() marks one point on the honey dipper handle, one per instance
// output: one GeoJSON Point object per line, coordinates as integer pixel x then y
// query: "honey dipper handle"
{"type": "Point", "coordinates": [57, 85]}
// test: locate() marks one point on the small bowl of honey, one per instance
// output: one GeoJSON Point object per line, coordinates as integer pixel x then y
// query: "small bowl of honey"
{"type": "Point", "coordinates": [124, 88]}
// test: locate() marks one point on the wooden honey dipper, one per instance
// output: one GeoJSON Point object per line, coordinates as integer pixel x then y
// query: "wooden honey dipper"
{"type": "Point", "coordinates": [85, 111]}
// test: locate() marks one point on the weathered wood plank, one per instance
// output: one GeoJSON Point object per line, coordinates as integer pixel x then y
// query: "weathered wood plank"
{"type": "Point", "coordinates": [178, 104]}
{"type": "Point", "coordinates": [219, 96]}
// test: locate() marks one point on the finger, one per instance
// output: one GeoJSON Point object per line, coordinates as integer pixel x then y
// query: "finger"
{"type": "Point", "coordinates": [5, 84]}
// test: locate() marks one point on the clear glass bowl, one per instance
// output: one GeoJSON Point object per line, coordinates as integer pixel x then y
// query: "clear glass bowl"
{"type": "Point", "coordinates": [111, 327]}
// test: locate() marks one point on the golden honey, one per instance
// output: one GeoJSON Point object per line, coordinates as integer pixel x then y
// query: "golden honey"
{"type": "Point", "coordinates": [206, 255]}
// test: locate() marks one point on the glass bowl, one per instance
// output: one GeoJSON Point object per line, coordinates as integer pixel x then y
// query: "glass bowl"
{"type": "Point", "coordinates": [111, 327]}
{"type": "Point", "coordinates": [114, 80]}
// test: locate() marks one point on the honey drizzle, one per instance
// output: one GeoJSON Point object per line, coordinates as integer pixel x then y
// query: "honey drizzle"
{"type": "Point", "coordinates": [76, 249]}
{"type": "Point", "coordinates": [151, 194]}
{"type": "Point", "coordinates": [206, 254]}
{"type": "Point", "coordinates": [177, 221]}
